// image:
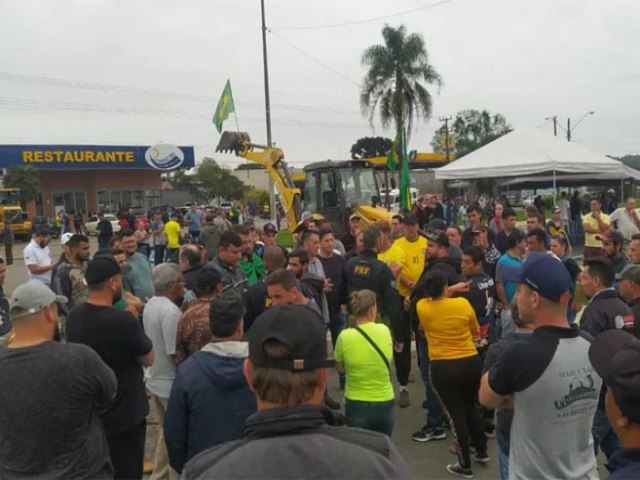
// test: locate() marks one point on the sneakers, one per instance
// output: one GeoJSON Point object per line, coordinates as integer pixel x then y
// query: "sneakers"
{"type": "Point", "coordinates": [482, 457]}
{"type": "Point", "coordinates": [459, 470]}
{"type": "Point", "coordinates": [403, 399]}
{"type": "Point", "coordinates": [428, 434]}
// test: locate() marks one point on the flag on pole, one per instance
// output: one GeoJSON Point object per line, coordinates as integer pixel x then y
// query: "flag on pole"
{"type": "Point", "coordinates": [394, 156]}
{"type": "Point", "coordinates": [405, 180]}
{"type": "Point", "coordinates": [224, 108]}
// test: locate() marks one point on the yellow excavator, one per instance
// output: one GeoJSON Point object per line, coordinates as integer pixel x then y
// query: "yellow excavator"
{"type": "Point", "coordinates": [332, 189]}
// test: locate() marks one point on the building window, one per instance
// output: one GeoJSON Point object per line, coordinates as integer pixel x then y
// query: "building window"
{"type": "Point", "coordinates": [70, 202]}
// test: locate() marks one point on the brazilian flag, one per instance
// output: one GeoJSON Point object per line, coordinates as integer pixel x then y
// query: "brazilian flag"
{"type": "Point", "coordinates": [224, 108]}
{"type": "Point", "coordinates": [398, 155]}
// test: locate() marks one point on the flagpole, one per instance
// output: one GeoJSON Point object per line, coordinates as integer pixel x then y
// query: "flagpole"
{"type": "Point", "coordinates": [267, 104]}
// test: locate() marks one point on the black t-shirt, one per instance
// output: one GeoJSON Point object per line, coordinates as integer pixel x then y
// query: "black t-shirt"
{"type": "Point", "coordinates": [481, 296]}
{"type": "Point", "coordinates": [104, 228]}
{"type": "Point", "coordinates": [119, 340]}
{"type": "Point", "coordinates": [333, 270]}
{"type": "Point", "coordinates": [49, 421]}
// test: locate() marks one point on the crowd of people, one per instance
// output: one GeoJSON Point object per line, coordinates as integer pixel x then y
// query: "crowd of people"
{"type": "Point", "coordinates": [218, 331]}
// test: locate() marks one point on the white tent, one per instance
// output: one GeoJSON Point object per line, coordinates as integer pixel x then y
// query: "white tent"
{"type": "Point", "coordinates": [525, 152]}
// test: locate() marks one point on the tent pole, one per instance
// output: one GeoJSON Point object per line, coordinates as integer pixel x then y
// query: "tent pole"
{"type": "Point", "coordinates": [621, 191]}
{"type": "Point", "coordinates": [554, 188]}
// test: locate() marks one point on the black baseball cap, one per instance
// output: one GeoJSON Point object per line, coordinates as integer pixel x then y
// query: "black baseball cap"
{"type": "Point", "coordinates": [615, 355]}
{"type": "Point", "coordinates": [300, 329]}
{"type": "Point", "coordinates": [436, 236]}
{"type": "Point", "coordinates": [270, 228]}
{"type": "Point", "coordinates": [410, 219]}
{"type": "Point", "coordinates": [101, 268]}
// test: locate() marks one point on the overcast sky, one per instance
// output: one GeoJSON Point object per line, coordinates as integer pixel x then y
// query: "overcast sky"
{"type": "Point", "coordinates": [144, 71]}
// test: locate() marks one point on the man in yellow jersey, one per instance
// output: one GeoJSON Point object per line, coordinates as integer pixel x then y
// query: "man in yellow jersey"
{"type": "Point", "coordinates": [594, 223]}
{"type": "Point", "coordinates": [172, 232]}
{"type": "Point", "coordinates": [414, 247]}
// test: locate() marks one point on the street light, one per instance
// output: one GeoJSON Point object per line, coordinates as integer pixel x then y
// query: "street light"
{"type": "Point", "coordinates": [577, 123]}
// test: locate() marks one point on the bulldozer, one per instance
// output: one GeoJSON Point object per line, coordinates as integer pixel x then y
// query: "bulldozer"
{"type": "Point", "coordinates": [332, 189]}
{"type": "Point", "coordinates": [11, 212]}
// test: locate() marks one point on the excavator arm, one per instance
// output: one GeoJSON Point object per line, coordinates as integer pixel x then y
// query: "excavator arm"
{"type": "Point", "coordinates": [272, 159]}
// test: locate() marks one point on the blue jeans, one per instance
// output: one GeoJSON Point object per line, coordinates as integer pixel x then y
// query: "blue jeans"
{"type": "Point", "coordinates": [435, 415]}
{"type": "Point", "coordinates": [337, 323]}
{"type": "Point", "coordinates": [376, 416]}
{"type": "Point", "coordinates": [504, 465]}
{"type": "Point", "coordinates": [606, 439]}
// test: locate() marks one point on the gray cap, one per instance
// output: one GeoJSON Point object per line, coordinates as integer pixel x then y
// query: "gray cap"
{"type": "Point", "coordinates": [32, 297]}
{"type": "Point", "coordinates": [631, 273]}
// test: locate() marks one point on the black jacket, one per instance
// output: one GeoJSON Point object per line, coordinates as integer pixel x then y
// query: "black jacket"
{"type": "Point", "coordinates": [606, 311]}
{"type": "Point", "coordinates": [287, 442]}
{"type": "Point", "coordinates": [367, 272]}
{"type": "Point", "coordinates": [635, 308]}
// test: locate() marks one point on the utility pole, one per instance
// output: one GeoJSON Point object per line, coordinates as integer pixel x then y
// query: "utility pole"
{"type": "Point", "coordinates": [267, 103]}
{"type": "Point", "coordinates": [446, 135]}
{"type": "Point", "coordinates": [555, 125]}
{"type": "Point", "coordinates": [568, 129]}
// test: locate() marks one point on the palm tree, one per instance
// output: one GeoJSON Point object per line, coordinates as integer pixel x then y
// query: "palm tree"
{"type": "Point", "coordinates": [393, 82]}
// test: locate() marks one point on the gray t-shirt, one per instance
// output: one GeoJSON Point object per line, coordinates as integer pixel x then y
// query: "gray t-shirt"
{"type": "Point", "coordinates": [161, 318]}
{"type": "Point", "coordinates": [556, 392]}
{"type": "Point", "coordinates": [160, 238]}
{"type": "Point", "coordinates": [140, 276]}
{"type": "Point", "coordinates": [49, 412]}
{"type": "Point", "coordinates": [195, 220]}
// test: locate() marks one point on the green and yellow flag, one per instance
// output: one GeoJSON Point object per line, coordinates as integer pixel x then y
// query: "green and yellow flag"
{"type": "Point", "coordinates": [224, 108]}
{"type": "Point", "coordinates": [405, 179]}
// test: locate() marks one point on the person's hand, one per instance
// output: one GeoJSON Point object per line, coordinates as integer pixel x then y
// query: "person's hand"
{"type": "Point", "coordinates": [134, 301]}
{"type": "Point", "coordinates": [328, 285]}
{"type": "Point", "coordinates": [398, 346]}
{"type": "Point", "coordinates": [460, 287]}
{"type": "Point", "coordinates": [396, 268]}
{"type": "Point", "coordinates": [407, 303]}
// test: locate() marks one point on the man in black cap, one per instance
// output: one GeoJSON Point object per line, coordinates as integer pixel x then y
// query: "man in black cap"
{"type": "Point", "coordinates": [615, 355]}
{"type": "Point", "coordinates": [51, 396]}
{"type": "Point", "coordinates": [629, 288]}
{"type": "Point", "coordinates": [288, 369]}
{"type": "Point", "coordinates": [118, 338]}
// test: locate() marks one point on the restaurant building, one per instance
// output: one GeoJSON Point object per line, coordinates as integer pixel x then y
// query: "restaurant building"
{"type": "Point", "coordinates": [92, 178]}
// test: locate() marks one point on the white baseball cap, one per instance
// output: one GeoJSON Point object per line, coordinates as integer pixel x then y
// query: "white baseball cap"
{"type": "Point", "coordinates": [65, 238]}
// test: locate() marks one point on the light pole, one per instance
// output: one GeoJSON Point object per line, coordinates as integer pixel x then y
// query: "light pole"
{"type": "Point", "coordinates": [591, 112]}
{"type": "Point", "coordinates": [555, 124]}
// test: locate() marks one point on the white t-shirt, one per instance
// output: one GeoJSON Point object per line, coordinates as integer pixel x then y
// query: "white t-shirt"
{"type": "Point", "coordinates": [565, 209]}
{"type": "Point", "coordinates": [625, 223]}
{"type": "Point", "coordinates": [160, 318]}
{"type": "Point", "coordinates": [34, 254]}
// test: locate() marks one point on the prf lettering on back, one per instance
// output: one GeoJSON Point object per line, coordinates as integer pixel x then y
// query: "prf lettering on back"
{"type": "Point", "coordinates": [362, 270]}
{"type": "Point", "coordinates": [77, 156]}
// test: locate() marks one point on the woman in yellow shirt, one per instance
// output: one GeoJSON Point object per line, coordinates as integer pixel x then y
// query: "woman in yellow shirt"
{"type": "Point", "coordinates": [368, 391]}
{"type": "Point", "coordinates": [449, 325]}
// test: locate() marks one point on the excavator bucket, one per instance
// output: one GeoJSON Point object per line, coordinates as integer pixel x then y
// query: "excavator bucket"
{"type": "Point", "coordinates": [233, 142]}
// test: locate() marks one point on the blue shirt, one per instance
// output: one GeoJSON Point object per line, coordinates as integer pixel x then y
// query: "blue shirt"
{"type": "Point", "coordinates": [507, 261]}
{"type": "Point", "coordinates": [196, 220]}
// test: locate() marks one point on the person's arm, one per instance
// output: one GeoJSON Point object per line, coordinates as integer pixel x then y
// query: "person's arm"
{"type": "Point", "coordinates": [176, 422]}
{"type": "Point", "coordinates": [338, 354]}
{"type": "Point", "coordinates": [391, 302]}
{"type": "Point", "coordinates": [490, 399]}
{"type": "Point", "coordinates": [169, 326]}
{"type": "Point", "coordinates": [474, 326]}
{"type": "Point", "coordinates": [101, 378]}
{"type": "Point", "coordinates": [129, 331]}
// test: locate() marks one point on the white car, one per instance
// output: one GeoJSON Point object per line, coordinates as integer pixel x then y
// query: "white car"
{"type": "Point", "coordinates": [90, 226]}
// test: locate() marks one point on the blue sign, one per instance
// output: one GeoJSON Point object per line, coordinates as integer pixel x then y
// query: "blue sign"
{"type": "Point", "coordinates": [92, 157]}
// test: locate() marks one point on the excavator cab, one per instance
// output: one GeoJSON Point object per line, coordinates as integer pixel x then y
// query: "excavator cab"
{"type": "Point", "coordinates": [338, 189]}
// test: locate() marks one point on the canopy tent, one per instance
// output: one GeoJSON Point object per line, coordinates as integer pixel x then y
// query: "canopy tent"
{"type": "Point", "coordinates": [577, 180]}
{"type": "Point", "coordinates": [526, 152]}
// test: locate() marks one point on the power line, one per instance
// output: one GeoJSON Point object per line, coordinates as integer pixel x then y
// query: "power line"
{"type": "Point", "coordinates": [138, 91]}
{"type": "Point", "coordinates": [313, 59]}
{"type": "Point", "coordinates": [366, 20]}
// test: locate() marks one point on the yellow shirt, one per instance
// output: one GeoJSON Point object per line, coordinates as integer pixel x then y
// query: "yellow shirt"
{"type": "Point", "coordinates": [448, 325]}
{"type": "Point", "coordinates": [415, 253]}
{"type": "Point", "coordinates": [172, 231]}
{"type": "Point", "coordinates": [394, 254]}
{"type": "Point", "coordinates": [590, 238]}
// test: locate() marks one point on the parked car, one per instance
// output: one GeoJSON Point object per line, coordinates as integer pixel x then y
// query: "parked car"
{"type": "Point", "coordinates": [48, 225]}
{"type": "Point", "coordinates": [90, 226]}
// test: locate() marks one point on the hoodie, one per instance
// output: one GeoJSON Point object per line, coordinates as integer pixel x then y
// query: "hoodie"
{"type": "Point", "coordinates": [209, 402]}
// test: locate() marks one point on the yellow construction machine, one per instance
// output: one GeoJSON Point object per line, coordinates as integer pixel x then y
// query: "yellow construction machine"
{"type": "Point", "coordinates": [11, 212]}
{"type": "Point", "coordinates": [333, 189]}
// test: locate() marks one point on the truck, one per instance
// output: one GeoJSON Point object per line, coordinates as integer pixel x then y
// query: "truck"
{"type": "Point", "coordinates": [11, 212]}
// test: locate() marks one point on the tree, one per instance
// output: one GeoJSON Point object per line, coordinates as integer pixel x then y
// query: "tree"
{"type": "Point", "coordinates": [368, 147]}
{"type": "Point", "coordinates": [256, 195]}
{"type": "Point", "coordinates": [26, 179]}
{"type": "Point", "coordinates": [250, 166]}
{"type": "Point", "coordinates": [392, 84]}
{"type": "Point", "coordinates": [210, 181]}
{"type": "Point", "coordinates": [473, 129]}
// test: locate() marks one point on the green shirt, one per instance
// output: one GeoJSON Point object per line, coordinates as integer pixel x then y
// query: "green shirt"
{"type": "Point", "coordinates": [253, 269]}
{"type": "Point", "coordinates": [368, 378]}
